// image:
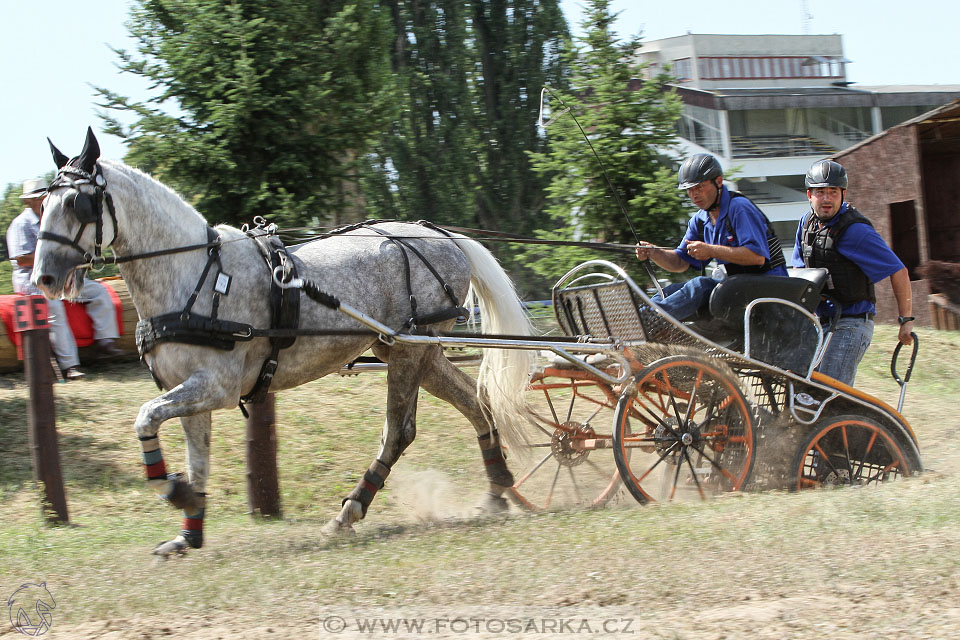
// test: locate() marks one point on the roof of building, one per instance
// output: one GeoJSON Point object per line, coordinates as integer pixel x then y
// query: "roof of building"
{"type": "Point", "coordinates": [738, 98]}
{"type": "Point", "coordinates": [939, 127]}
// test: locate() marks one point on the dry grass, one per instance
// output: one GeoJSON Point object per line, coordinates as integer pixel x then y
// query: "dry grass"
{"type": "Point", "coordinates": [843, 563]}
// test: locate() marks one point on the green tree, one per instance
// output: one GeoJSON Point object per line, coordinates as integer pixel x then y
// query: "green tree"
{"type": "Point", "coordinates": [264, 107]}
{"type": "Point", "coordinates": [631, 123]}
{"type": "Point", "coordinates": [470, 74]}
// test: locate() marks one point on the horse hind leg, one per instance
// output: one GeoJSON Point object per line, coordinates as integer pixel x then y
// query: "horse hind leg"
{"type": "Point", "coordinates": [399, 431]}
{"type": "Point", "coordinates": [448, 383]}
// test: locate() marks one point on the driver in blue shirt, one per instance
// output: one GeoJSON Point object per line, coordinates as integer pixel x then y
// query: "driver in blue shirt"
{"type": "Point", "coordinates": [834, 235]}
{"type": "Point", "coordinates": [728, 228]}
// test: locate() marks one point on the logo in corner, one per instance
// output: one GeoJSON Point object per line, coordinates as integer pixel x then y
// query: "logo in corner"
{"type": "Point", "coordinates": [30, 608]}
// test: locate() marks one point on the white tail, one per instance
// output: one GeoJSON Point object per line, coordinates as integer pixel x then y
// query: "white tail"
{"type": "Point", "coordinates": [504, 373]}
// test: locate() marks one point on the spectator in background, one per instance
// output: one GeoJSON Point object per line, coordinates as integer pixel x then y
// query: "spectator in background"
{"type": "Point", "coordinates": [21, 245]}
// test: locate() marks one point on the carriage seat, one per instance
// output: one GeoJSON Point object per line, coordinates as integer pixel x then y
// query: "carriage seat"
{"type": "Point", "coordinates": [731, 297]}
{"type": "Point", "coordinates": [722, 318]}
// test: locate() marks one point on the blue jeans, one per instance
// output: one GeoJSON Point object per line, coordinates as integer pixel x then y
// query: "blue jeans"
{"type": "Point", "coordinates": [684, 298]}
{"type": "Point", "coordinates": [850, 340]}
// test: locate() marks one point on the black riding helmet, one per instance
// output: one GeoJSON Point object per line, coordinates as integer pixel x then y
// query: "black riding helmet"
{"type": "Point", "coordinates": [696, 169]}
{"type": "Point", "coordinates": [826, 173]}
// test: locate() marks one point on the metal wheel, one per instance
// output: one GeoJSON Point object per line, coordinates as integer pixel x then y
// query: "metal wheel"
{"type": "Point", "coordinates": [570, 457]}
{"type": "Point", "coordinates": [684, 430]}
{"type": "Point", "coordinates": [850, 451]}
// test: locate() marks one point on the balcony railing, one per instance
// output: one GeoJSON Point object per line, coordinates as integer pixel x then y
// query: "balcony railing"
{"type": "Point", "coordinates": [778, 146]}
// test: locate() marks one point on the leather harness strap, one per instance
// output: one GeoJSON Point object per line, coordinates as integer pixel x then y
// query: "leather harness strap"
{"type": "Point", "coordinates": [284, 311]}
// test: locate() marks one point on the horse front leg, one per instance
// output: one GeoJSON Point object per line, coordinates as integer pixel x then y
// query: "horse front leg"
{"type": "Point", "coordinates": [192, 402]}
{"type": "Point", "coordinates": [399, 430]}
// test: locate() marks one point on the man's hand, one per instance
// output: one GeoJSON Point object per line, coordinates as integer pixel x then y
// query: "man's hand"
{"type": "Point", "coordinates": [700, 250]}
{"type": "Point", "coordinates": [905, 329]}
{"type": "Point", "coordinates": [643, 250]}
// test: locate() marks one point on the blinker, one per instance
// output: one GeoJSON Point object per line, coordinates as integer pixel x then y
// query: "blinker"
{"type": "Point", "coordinates": [84, 208]}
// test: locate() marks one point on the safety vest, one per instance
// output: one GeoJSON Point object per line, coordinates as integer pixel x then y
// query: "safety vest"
{"type": "Point", "coordinates": [847, 282]}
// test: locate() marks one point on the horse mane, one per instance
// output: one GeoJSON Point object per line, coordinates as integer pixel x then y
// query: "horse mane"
{"type": "Point", "coordinates": [149, 189]}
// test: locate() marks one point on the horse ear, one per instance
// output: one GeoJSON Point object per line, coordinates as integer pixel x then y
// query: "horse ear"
{"type": "Point", "coordinates": [58, 158]}
{"type": "Point", "coordinates": [91, 151]}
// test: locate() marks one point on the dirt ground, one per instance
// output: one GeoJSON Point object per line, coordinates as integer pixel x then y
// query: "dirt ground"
{"type": "Point", "coordinates": [706, 595]}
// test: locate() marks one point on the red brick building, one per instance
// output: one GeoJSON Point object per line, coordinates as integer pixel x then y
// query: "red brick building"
{"type": "Point", "coordinates": [907, 181]}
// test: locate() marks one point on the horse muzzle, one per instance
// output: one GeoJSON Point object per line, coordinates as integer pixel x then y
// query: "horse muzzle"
{"type": "Point", "coordinates": [57, 276]}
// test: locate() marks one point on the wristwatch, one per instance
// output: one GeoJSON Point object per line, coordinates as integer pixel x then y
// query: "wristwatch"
{"type": "Point", "coordinates": [905, 319]}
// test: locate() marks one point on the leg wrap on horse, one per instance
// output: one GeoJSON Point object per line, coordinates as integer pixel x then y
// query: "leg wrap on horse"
{"type": "Point", "coordinates": [366, 489]}
{"type": "Point", "coordinates": [493, 460]}
{"type": "Point", "coordinates": [181, 495]}
{"type": "Point", "coordinates": [153, 465]}
{"type": "Point", "coordinates": [192, 530]}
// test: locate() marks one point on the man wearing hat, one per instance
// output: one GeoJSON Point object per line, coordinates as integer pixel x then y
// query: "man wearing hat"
{"type": "Point", "coordinates": [21, 245]}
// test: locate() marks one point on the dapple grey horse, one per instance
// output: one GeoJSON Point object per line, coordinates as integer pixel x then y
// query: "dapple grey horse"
{"type": "Point", "coordinates": [99, 203]}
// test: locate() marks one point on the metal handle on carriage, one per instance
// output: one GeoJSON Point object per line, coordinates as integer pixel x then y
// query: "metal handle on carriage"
{"type": "Point", "coordinates": [906, 376]}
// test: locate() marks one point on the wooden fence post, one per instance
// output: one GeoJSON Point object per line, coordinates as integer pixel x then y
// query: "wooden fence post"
{"type": "Point", "coordinates": [30, 320]}
{"type": "Point", "coordinates": [263, 485]}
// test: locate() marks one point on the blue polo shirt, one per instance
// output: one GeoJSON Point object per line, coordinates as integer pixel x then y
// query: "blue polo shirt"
{"type": "Point", "coordinates": [861, 244]}
{"type": "Point", "coordinates": [748, 224]}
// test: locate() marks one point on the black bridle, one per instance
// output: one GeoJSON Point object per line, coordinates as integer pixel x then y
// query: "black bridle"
{"type": "Point", "coordinates": [88, 208]}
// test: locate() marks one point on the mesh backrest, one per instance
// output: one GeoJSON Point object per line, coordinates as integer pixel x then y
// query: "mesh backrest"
{"type": "Point", "coordinates": [607, 310]}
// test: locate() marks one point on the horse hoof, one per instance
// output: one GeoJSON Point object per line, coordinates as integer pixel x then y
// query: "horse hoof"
{"type": "Point", "coordinates": [336, 529]}
{"type": "Point", "coordinates": [177, 547]}
{"type": "Point", "coordinates": [491, 504]}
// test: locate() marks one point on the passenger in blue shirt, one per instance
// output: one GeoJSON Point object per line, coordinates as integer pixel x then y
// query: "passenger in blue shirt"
{"type": "Point", "coordinates": [728, 228]}
{"type": "Point", "coordinates": [834, 235]}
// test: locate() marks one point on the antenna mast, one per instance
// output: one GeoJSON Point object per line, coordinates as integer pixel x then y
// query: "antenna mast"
{"type": "Point", "coordinates": [805, 17]}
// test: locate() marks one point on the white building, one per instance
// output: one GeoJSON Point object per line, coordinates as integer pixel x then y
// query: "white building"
{"type": "Point", "coordinates": [768, 106]}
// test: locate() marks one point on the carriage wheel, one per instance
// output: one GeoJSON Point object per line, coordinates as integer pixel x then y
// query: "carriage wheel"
{"type": "Point", "coordinates": [850, 451]}
{"type": "Point", "coordinates": [570, 457]}
{"type": "Point", "coordinates": [684, 431]}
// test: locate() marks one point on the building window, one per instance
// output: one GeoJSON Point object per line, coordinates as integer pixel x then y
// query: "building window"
{"type": "Point", "coordinates": [905, 234]}
{"type": "Point", "coordinates": [757, 67]}
{"type": "Point", "coordinates": [683, 69]}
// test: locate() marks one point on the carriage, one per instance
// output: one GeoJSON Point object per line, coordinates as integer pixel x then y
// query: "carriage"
{"type": "Point", "coordinates": [669, 409]}
{"type": "Point", "coordinates": [705, 407]}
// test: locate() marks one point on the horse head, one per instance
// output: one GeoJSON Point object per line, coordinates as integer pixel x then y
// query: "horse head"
{"type": "Point", "coordinates": [71, 223]}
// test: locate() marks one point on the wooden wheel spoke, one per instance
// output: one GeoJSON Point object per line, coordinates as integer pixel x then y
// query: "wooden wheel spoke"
{"type": "Point", "coordinates": [863, 458]}
{"type": "Point", "coordinates": [536, 467]}
{"type": "Point", "coordinates": [553, 411]}
{"type": "Point", "coordinates": [729, 476]}
{"type": "Point", "coordinates": [846, 451]}
{"type": "Point", "coordinates": [657, 402]}
{"type": "Point", "coordinates": [576, 486]}
{"type": "Point", "coordinates": [826, 458]}
{"type": "Point", "coordinates": [676, 474]}
{"type": "Point", "coordinates": [692, 403]}
{"type": "Point", "coordinates": [693, 472]}
{"type": "Point", "coordinates": [660, 459]}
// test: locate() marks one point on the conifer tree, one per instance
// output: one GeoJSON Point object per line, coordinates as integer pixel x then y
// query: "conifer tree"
{"type": "Point", "coordinates": [630, 121]}
{"type": "Point", "coordinates": [264, 108]}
